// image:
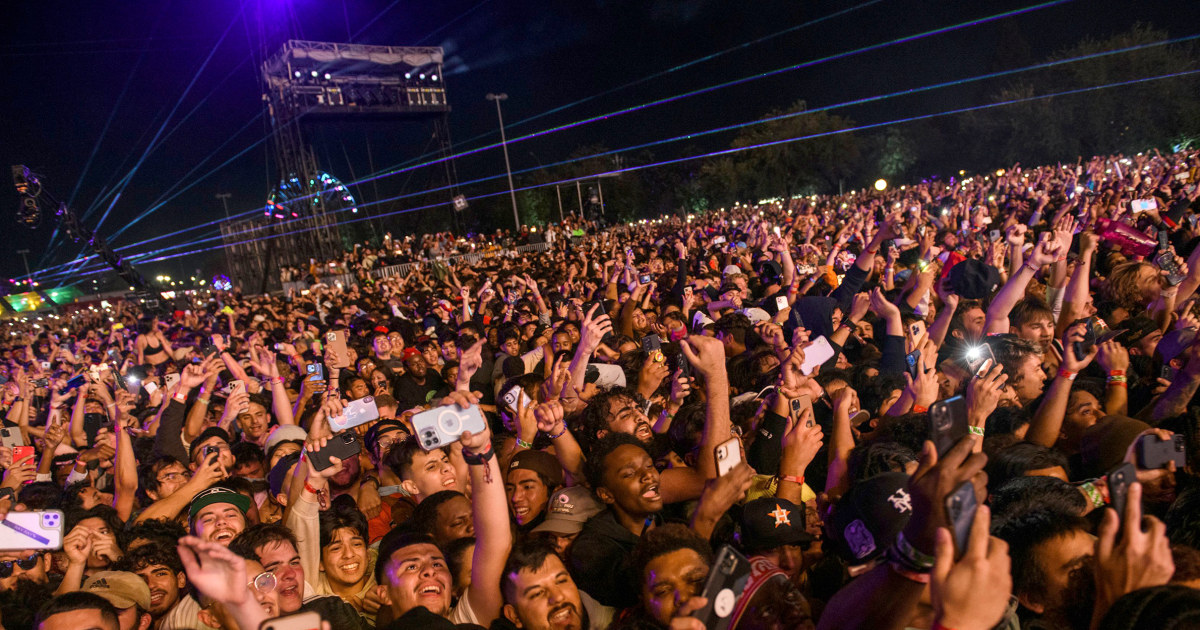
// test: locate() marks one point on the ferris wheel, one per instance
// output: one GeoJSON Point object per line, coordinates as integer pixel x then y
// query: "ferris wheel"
{"type": "Point", "coordinates": [291, 199]}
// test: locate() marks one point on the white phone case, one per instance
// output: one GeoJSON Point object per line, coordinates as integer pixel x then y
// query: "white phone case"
{"type": "Point", "coordinates": [816, 354]}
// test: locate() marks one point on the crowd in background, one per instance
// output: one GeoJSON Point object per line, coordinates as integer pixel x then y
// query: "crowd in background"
{"type": "Point", "coordinates": [760, 391]}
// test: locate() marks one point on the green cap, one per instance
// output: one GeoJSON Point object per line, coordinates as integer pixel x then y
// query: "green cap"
{"type": "Point", "coordinates": [218, 495]}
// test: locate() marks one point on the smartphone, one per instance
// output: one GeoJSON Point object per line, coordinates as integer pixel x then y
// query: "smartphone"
{"type": "Point", "coordinates": [1166, 261]}
{"type": "Point", "coordinates": [209, 450]}
{"type": "Point", "coordinates": [514, 394]}
{"type": "Point", "coordinates": [948, 423]}
{"type": "Point", "coordinates": [728, 455]}
{"type": "Point", "coordinates": [12, 438]}
{"type": "Point", "coordinates": [1118, 488]}
{"type": "Point", "coordinates": [170, 380]}
{"type": "Point", "coordinates": [651, 344]}
{"type": "Point", "coordinates": [799, 405]}
{"type": "Point", "coordinates": [1082, 348]}
{"type": "Point", "coordinates": [336, 340]}
{"type": "Point", "coordinates": [355, 413]}
{"type": "Point", "coordinates": [118, 326]}
{"type": "Point", "coordinates": [644, 278]}
{"type": "Point", "coordinates": [687, 290]}
{"type": "Point", "coordinates": [45, 365]}
{"type": "Point", "coordinates": [39, 529]}
{"type": "Point", "coordinates": [912, 361]}
{"type": "Point", "coordinates": [816, 354]}
{"type": "Point", "coordinates": [960, 510]}
{"type": "Point", "coordinates": [1152, 452]}
{"type": "Point", "coordinates": [980, 358]}
{"type": "Point", "coordinates": [994, 235]}
{"type": "Point", "coordinates": [781, 303]}
{"type": "Point", "coordinates": [296, 621]}
{"type": "Point", "coordinates": [316, 372]}
{"type": "Point", "coordinates": [440, 426]}
{"type": "Point", "coordinates": [23, 454]}
{"type": "Point", "coordinates": [720, 240]}
{"type": "Point", "coordinates": [726, 580]}
{"type": "Point", "coordinates": [150, 387]}
{"type": "Point", "coordinates": [1141, 205]}
{"type": "Point", "coordinates": [343, 446]}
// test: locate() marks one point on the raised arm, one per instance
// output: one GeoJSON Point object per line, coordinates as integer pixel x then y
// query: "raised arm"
{"type": "Point", "coordinates": [707, 355]}
{"type": "Point", "coordinates": [1047, 421]}
{"type": "Point", "coordinates": [493, 532]}
{"type": "Point", "coordinates": [1046, 252]}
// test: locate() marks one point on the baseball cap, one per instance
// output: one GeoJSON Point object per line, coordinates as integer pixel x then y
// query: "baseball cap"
{"type": "Point", "coordinates": [218, 495]}
{"type": "Point", "coordinates": [1175, 342]}
{"type": "Point", "coordinates": [122, 589]}
{"type": "Point", "coordinates": [1136, 328]}
{"type": "Point", "coordinates": [278, 473]}
{"type": "Point", "coordinates": [204, 435]}
{"type": "Point", "coordinates": [1104, 444]}
{"type": "Point", "coordinates": [539, 462]}
{"type": "Point", "coordinates": [410, 352]}
{"type": "Point", "coordinates": [769, 522]}
{"type": "Point", "coordinates": [371, 439]}
{"type": "Point", "coordinates": [568, 510]}
{"type": "Point", "coordinates": [730, 270]}
{"type": "Point", "coordinates": [283, 433]}
{"type": "Point", "coordinates": [866, 520]}
{"type": "Point", "coordinates": [974, 279]}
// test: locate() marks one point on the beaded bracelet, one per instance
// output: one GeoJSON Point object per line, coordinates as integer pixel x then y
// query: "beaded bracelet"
{"type": "Point", "coordinates": [1093, 494]}
{"type": "Point", "coordinates": [559, 434]}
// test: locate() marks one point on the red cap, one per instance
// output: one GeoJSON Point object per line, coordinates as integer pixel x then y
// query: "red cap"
{"type": "Point", "coordinates": [410, 352]}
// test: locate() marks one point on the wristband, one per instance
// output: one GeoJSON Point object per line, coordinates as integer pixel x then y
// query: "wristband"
{"type": "Point", "coordinates": [1029, 267]}
{"type": "Point", "coordinates": [974, 430]}
{"type": "Point", "coordinates": [523, 444]}
{"type": "Point", "coordinates": [792, 478]}
{"type": "Point", "coordinates": [920, 409]}
{"type": "Point", "coordinates": [560, 433]}
{"type": "Point", "coordinates": [911, 556]}
{"type": "Point", "coordinates": [921, 578]}
{"type": "Point", "coordinates": [311, 489]}
{"type": "Point", "coordinates": [202, 401]}
{"type": "Point", "coordinates": [480, 458]}
{"type": "Point", "coordinates": [1116, 372]}
{"type": "Point", "coordinates": [179, 398]}
{"type": "Point", "coordinates": [1093, 494]}
{"type": "Point", "coordinates": [1067, 374]}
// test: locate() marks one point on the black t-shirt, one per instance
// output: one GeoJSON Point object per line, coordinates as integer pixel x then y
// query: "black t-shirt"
{"type": "Point", "coordinates": [410, 394]}
{"type": "Point", "coordinates": [337, 612]}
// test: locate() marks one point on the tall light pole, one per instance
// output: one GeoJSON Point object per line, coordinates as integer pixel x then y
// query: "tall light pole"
{"type": "Point", "coordinates": [504, 144]}
{"type": "Point", "coordinates": [224, 197]}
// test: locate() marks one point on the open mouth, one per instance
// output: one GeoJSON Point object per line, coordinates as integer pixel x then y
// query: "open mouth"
{"type": "Point", "coordinates": [291, 591]}
{"type": "Point", "coordinates": [644, 432]}
{"type": "Point", "coordinates": [651, 493]}
{"type": "Point", "coordinates": [156, 597]}
{"type": "Point", "coordinates": [224, 535]}
{"type": "Point", "coordinates": [430, 590]}
{"type": "Point", "coordinates": [562, 615]}
{"type": "Point", "coordinates": [350, 568]}
{"type": "Point", "coordinates": [449, 482]}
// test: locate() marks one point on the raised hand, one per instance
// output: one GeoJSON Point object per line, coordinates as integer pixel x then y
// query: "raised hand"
{"type": "Point", "coordinates": [706, 354]}
{"type": "Point", "coordinates": [215, 570]}
{"type": "Point", "coordinates": [1070, 362]}
{"type": "Point", "coordinates": [973, 593]}
{"type": "Point", "coordinates": [1129, 557]}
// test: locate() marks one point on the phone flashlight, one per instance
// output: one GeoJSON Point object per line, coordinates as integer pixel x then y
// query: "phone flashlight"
{"type": "Point", "coordinates": [974, 353]}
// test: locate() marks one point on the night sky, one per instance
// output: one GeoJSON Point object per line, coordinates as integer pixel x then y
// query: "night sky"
{"type": "Point", "coordinates": [104, 76]}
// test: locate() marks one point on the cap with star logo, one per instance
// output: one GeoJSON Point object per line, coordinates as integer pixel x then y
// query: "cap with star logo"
{"type": "Point", "coordinates": [769, 522]}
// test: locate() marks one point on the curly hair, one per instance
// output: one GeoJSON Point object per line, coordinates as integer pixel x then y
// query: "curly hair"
{"type": "Point", "coordinates": [665, 539]}
{"type": "Point", "coordinates": [1122, 287]}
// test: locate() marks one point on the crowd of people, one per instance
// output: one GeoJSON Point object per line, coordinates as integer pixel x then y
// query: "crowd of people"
{"type": "Point", "coordinates": [961, 404]}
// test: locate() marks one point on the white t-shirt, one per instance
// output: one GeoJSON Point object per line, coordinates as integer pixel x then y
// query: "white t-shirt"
{"type": "Point", "coordinates": [184, 615]}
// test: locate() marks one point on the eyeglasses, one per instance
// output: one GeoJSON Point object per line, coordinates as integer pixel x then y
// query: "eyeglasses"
{"type": "Point", "coordinates": [6, 567]}
{"type": "Point", "coordinates": [263, 583]}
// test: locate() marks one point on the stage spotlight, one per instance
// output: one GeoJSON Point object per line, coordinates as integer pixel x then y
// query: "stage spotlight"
{"type": "Point", "coordinates": [407, 75]}
{"type": "Point", "coordinates": [299, 74]}
{"type": "Point", "coordinates": [328, 76]}
{"type": "Point", "coordinates": [880, 184]}
{"type": "Point", "coordinates": [434, 77]}
{"type": "Point", "coordinates": [421, 76]}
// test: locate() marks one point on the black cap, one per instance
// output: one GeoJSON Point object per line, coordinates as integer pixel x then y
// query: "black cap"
{"type": "Point", "coordinates": [204, 435]}
{"type": "Point", "coordinates": [769, 522]}
{"type": "Point", "coordinates": [371, 439]}
{"type": "Point", "coordinates": [974, 279]}
{"type": "Point", "coordinates": [279, 472]}
{"type": "Point", "coordinates": [866, 520]}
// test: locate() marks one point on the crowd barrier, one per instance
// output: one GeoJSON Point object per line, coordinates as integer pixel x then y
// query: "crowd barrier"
{"type": "Point", "coordinates": [403, 268]}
